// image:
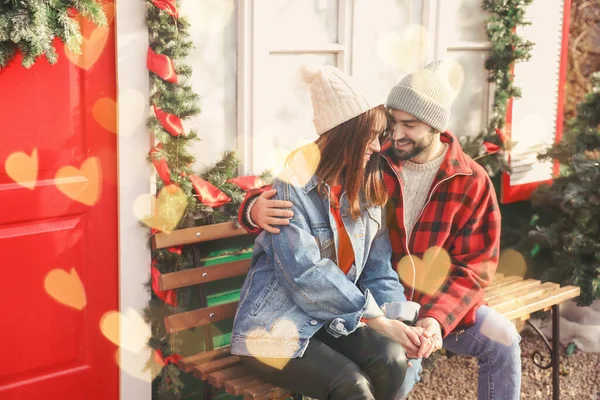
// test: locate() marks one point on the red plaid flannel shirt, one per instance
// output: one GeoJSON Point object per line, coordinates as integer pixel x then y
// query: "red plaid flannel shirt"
{"type": "Point", "coordinates": [461, 215]}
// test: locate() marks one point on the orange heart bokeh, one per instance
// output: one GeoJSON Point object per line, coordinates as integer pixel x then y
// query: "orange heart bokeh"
{"type": "Point", "coordinates": [66, 288]}
{"type": "Point", "coordinates": [22, 168]}
{"type": "Point", "coordinates": [127, 330]}
{"type": "Point", "coordinates": [282, 328]}
{"type": "Point", "coordinates": [431, 271]}
{"type": "Point", "coordinates": [170, 207]}
{"type": "Point", "coordinates": [94, 39]}
{"type": "Point", "coordinates": [82, 185]}
{"type": "Point", "coordinates": [105, 113]}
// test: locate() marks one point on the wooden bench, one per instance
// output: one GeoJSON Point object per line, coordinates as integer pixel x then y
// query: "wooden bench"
{"type": "Point", "coordinates": [214, 364]}
{"type": "Point", "coordinates": [517, 298]}
{"type": "Point", "coordinates": [513, 296]}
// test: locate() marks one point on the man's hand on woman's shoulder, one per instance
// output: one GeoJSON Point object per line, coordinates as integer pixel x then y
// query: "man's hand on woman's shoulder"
{"type": "Point", "coordinates": [267, 213]}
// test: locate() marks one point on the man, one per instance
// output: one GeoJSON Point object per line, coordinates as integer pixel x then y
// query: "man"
{"type": "Point", "coordinates": [441, 199]}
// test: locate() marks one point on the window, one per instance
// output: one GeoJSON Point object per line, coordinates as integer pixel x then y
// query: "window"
{"type": "Point", "coordinates": [375, 41]}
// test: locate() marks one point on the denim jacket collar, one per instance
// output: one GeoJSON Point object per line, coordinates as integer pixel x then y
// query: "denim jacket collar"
{"type": "Point", "coordinates": [311, 184]}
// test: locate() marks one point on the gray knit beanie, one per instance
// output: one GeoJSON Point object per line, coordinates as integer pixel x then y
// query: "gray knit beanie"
{"type": "Point", "coordinates": [425, 94]}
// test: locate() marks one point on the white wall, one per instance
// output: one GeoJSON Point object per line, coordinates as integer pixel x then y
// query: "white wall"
{"type": "Point", "coordinates": [134, 180]}
{"type": "Point", "coordinates": [388, 42]}
{"type": "Point", "coordinates": [213, 59]}
{"type": "Point", "coordinates": [462, 41]}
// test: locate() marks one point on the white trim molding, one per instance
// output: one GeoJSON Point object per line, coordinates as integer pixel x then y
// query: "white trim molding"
{"type": "Point", "coordinates": [134, 177]}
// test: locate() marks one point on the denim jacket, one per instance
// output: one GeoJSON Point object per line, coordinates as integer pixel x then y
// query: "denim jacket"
{"type": "Point", "coordinates": [295, 287]}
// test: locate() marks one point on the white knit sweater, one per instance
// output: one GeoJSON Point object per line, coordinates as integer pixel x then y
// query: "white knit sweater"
{"type": "Point", "coordinates": [417, 179]}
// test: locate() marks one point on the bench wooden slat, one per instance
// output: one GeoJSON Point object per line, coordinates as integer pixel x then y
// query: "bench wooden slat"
{"type": "Point", "coordinates": [265, 392]}
{"type": "Point", "coordinates": [507, 280]}
{"type": "Point", "coordinates": [218, 378]}
{"type": "Point", "coordinates": [275, 393]}
{"type": "Point", "coordinates": [194, 276]}
{"type": "Point", "coordinates": [198, 234]}
{"type": "Point", "coordinates": [498, 278]}
{"type": "Point", "coordinates": [504, 302]}
{"type": "Point", "coordinates": [513, 287]}
{"type": "Point", "coordinates": [201, 371]}
{"type": "Point", "coordinates": [187, 363]}
{"type": "Point", "coordinates": [237, 386]}
{"type": "Point", "coordinates": [543, 301]}
{"type": "Point", "coordinates": [204, 316]}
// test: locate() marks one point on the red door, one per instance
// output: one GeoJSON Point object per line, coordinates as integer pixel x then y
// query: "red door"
{"type": "Point", "coordinates": [58, 224]}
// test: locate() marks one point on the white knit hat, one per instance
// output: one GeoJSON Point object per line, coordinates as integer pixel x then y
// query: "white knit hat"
{"type": "Point", "coordinates": [335, 96]}
{"type": "Point", "coordinates": [425, 94]}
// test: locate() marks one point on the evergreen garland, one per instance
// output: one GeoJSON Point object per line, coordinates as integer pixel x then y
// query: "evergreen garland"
{"type": "Point", "coordinates": [489, 147]}
{"type": "Point", "coordinates": [566, 238]}
{"type": "Point", "coordinates": [171, 94]}
{"type": "Point", "coordinates": [169, 36]}
{"type": "Point", "coordinates": [31, 26]}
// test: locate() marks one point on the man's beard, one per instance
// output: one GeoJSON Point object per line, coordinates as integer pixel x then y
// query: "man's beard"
{"type": "Point", "coordinates": [417, 148]}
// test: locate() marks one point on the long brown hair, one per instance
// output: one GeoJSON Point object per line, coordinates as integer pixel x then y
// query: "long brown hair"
{"type": "Point", "coordinates": [342, 151]}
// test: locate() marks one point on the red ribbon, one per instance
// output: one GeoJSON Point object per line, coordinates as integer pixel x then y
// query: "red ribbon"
{"type": "Point", "coordinates": [167, 5]}
{"type": "Point", "coordinates": [208, 194]}
{"type": "Point", "coordinates": [491, 147]}
{"type": "Point", "coordinates": [161, 65]}
{"type": "Point", "coordinates": [160, 164]}
{"type": "Point", "coordinates": [168, 296]}
{"type": "Point", "coordinates": [175, 250]}
{"type": "Point", "coordinates": [170, 122]}
{"type": "Point", "coordinates": [160, 360]}
{"type": "Point", "coordinates": [247, 182]}
{"type": "Point", "coordinates": [501, 134]}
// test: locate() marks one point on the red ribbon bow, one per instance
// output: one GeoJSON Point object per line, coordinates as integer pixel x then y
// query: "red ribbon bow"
{"type": "Point", "coordinates": [160, 360]}
{"type": "Point", "coordinates": [491, 147]}
{"type": "Point", "coordinates": [168, 6]}
{"type": "Point", "coordinates": [172, 123]}
{"type": "Point", "coordinates": [501, 134]}
{"type": "Point", "coordinates": [247, 182]}
{"type": "Point", "coordinates": [160, 164]}
{"type": "Point", "coordinates": [175, 250]}
{"type": "Point", "coordinates": [161, 65]}
{"type": "Point", "coordinates": [168, 296]}
{"type": "Point", "coordinates": [208, 194]}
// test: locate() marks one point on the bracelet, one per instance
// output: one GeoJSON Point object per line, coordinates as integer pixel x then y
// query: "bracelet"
{"type": "Point", "coordinates": [247, 212]}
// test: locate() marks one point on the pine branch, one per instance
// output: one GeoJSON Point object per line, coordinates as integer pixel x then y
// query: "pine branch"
{"type": "Point", "coordinates": [32, 26]}
{"type": "Point", "coordinates": [568, 211]}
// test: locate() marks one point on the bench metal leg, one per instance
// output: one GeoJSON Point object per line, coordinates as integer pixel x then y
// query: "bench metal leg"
{"type": "Point", "coordinates": [555, 352]}
{"type": "Point", "coordinates": [209, 391]}
{"type": "Point", "coordinates": [553, 349]}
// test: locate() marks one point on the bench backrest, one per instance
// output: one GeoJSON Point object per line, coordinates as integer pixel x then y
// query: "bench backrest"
{"type": "Point", "coordinates": [221, 253]}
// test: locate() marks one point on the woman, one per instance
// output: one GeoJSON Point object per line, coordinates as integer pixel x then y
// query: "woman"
{"type": "Point", "coordinates": [321, 308]}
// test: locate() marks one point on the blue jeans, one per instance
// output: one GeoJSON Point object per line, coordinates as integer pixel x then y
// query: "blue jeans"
{"type": "Point", "coordinates": [495, 342]}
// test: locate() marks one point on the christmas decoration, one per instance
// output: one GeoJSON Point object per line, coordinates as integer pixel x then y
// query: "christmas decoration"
{"type": "Point", "coordinates": [208, 193]}
{"type": "Point", "coordinates": [185, 198]}
{"type": "Point", "coordinates": [566, 215]}
{"type": "Point", "coordinates": [31, 27]}
{"type": "Point", "coordinates": [507, 49]}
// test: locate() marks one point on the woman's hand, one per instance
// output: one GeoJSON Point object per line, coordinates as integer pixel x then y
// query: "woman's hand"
{"type": "Point", "coordinates": [407, 336]}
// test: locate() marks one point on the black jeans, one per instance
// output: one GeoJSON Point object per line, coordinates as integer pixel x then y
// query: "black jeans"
{"type": "Point", "coordinates": [363, 365]}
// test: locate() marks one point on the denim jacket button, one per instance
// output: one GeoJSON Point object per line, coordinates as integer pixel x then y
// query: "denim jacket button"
{"type": "Point", "coordinates": [313, 322]}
